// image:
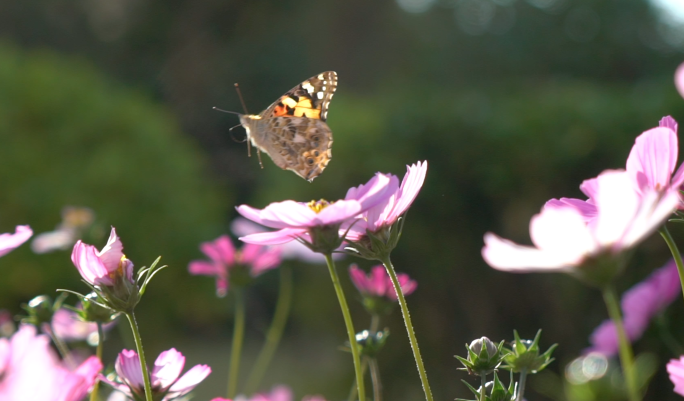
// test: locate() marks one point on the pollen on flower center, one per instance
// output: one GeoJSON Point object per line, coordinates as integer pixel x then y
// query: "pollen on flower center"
{"type": "Point", "coordinates": [318, 205]}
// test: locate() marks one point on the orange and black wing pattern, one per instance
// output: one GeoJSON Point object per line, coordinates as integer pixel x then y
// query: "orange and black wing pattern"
{"type": "Point", "coordinates": [310, 99]}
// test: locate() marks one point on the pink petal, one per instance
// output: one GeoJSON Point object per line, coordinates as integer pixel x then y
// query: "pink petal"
{"type": "Point", "coordinates": [274, 237]}
{"type": "Point", "coordinates": [410, 187]}
{"type": "Point", "coordinates": [358, 277]}
{"type": "Point", "coordinates": [127, 367]}
{"type": "Point", "coordinates": [82, 380]}
{"type": "Point", "coordinates": [617, 204]}
{"type": "Point", "coordinates": [190, 379]}
{"type": "Point", "coordinates": [378, 281]}
{"type": "Point", "coordinates": [167, 368]}
{"type": "Point", "coordinates": [375, 191]}
{"type": "Point", "coordinates": [220, 250]}
{"type": "Point", "coordinates": [287, 214]}
{"type": "Point", "coordinates": [112, 252]}
{"type": "Point", "coordinates": [675, 368]}
{"type": "Point", "coordinates": [563, 232]}
{"type": "Point", "coordinates": [589, 187]}
{"type": "Point", "coordinates": [90, 266]}
{"type": "Point", "coordinates": [653, 158]}
{"type": "Point", "coordinates": [267, 260]}
{"type": "Point", "coordinates": [668, 122]}
{"type": "Point", "coordinates": [407, 286]}
{"type": "Point", "coordinates": [8, 241]}
{"type": "Point", "coordinates": [338, 212]}
{"type": "Point", "coordinates": [281, 393]}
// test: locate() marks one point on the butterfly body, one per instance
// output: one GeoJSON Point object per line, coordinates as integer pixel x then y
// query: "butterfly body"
{"type": "Point", "coordinates": [293, 130]}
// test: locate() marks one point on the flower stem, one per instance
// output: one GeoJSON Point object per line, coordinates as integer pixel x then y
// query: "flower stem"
{"type": "Point", "coordinates": [521, 382]}
{"type": "Point", "coordinates": [350, 327]}
{"type": "Point", "coordinates": [409, 327]}
{"type": "Point", "coordinates": [274, 332]}
{"type": "Point", "coordinates": [236, 348]}
{"type": "Point", "coordinates": [141, 355]}
{"type": "Point", "coordinates": [483, 385]}
{"type": "Point", "coordinates": [375, 379]}
{"type": "Point", "coordinates": [98, 353]}
{"type": "Point", "coordinates": [626, 356]}
{"type": "Point", "coordinates": [675, 253]}
{"type": "Point", "coordinates": [61, 348]}
{"type": "Point", "coordinates": [354, 391]}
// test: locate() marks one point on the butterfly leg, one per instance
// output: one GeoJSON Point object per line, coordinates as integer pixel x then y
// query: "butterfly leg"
{"type": "Point", "coordinates": [259, 156]}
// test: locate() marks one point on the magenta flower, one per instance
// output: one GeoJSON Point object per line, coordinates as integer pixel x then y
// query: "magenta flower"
{"type": "Point", "coordinates": [164, 376]}
{"type": "Point", "coordinates": [30, 370]}
{"type": "Point", "coordinates": [378, 284]}
{"type": "Point", "coordinates": [676, 370]}
{"type": "Point", "coordinates": [639, 305]}
{"type": "Point", "coordinates": [569, 232]}
{"type": "Point", "coordinates": [386, 213]}
{"type": "Point", "coordinates": [10, 241]}
{"type": "Point", "coordinates": [102, 268]}
{"type": "Point", "coordinates": [299, 220]}
{"type": "Point", "coordinates": [223, 257]}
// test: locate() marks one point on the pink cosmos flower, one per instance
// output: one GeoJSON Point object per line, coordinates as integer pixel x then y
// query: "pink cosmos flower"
{"type": "Point", "coordinates": [223, 257]}
{"type": "Point", "coordinates": [654, 157]}
{"type": "Point", "coordinates": [164, 376]}
{"type": "Point", "coordinates": [295, 219]}
{"type": "Point", "coordinates": [679, 79]}
{"type": "Point", "coordinates": [67, 326]}
{"type": "Point", "coordinates": [386, 213]}
{"type": "Point", "coordinates": [10, 241]}
{"type": "Point", "coordinates": [639, 305]}
{"type": "Point", "coordinates": [569, 232]}
{"type": "Point", "coordinates": [676, 370]}
{"type": "Point", "coordinates": [30, 370]}
{"type": "Point", "coordinates": [379, 284]}
{"type": "Point", "coordinates": [103, 267]}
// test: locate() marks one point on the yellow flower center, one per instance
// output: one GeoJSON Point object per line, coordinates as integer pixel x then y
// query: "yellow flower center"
{"type": "Point", "coordinates": [318, 205]}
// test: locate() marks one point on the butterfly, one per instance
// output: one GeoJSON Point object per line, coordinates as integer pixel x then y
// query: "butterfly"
{"type": "Point", "coordinates": [293, 131]}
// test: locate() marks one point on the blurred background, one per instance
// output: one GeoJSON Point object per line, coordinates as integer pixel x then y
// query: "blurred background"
{"type": "Point", "coordinates": [107, 104]}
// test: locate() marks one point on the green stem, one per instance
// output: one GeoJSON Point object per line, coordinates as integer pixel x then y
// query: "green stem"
{"type": "Point", "coordinates": [141, 355]}
{"type": "Point", "coordinates": [274, 333]}
{"type": "Point", "coordinates": [375, 379]}
{"type": "Point", "coordinates": [521, 383]}
{"type": "Point", "coordinates": [374, 324]}
{"type": "Point", "coordinates": [483, 385]}
{"type": "Point", "coordinates": [666, 336]}
{"type": "Point", "coordinates": [354, 391]}
{"type": "Point", "coordinates": [350, 327]}
{"type": "Point", "coordinates": [236, 348]}
{"type": "Point", "coordinates": [61, 348]}
{"type": "Point", "coordinates": [675, 253]}
{"type": "Point", "coordinates": [626, 356]}
{"type": "Point", "coordinates": [98, 353]}
{"type": "Point", "coordinates": [409, 327]}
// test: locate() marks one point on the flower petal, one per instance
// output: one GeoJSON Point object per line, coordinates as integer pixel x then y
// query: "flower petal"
{"type": "Point", "coordinates": [127, 367]}
{"type": "Point", "coordinates": [653, 158]}
{"type": "Point", "coordinates": [9, 241]}
{"type": "Point", "coordinates": [220, 250]}
{"type": "Point", "coordinates": [274, 237]}
{"type": "Point", "coordinates": [505, 255]}
{"type": "Point", "coordinates": [112, 252]}
{"type": "Point", "coordinates": [410, 187]}
{"type": "Point", "coordinates": [167, 368]}
{"type": "Point", "coordinates": [190, 379]}
{"type": "Point", "coordinates": [90, 266]}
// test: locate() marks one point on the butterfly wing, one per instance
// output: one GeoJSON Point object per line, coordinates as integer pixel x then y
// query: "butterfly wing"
{"type": "Point", "coordinates": [293, 131]}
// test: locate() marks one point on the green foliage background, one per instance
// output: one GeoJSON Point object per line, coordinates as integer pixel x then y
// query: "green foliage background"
{"type": "Point", "coordinates": [108, 105]}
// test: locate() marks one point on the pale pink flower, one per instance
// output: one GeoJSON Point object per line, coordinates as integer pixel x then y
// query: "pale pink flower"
{"type": "Point", "coordinates": [223, 257]}
{"type": "Point", "coordinates": [105, 266]}
{"type": "Point", "coordinates": [653, 159]}
{"type": "Point", "coordinates": [379, 284]}
{"type": "Point", "coordinates": [10, 241]}
{"type": "Point", "coordinates": [567, 233]}
{"type": "Point", "coordinates": [294, 220]}
{"type": "Point", "coordinates": [67, 326]}
{"type": "Point", "coordinates": [639, 305]}
{"type": "Point", "coordinates": [386, 213]}
{"type": "Point", "coordinates": [676, 370]}
{"type": "Point", "coordinates": [278, 393]}
{"type": "Point", "coordinates": [31, 371]}
{"type": "Point", "coordinates": [164, 376]}
{"type": "Point", "coordinates": [679, 79]}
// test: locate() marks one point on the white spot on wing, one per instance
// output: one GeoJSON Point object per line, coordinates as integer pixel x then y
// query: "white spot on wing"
{"type": "Point", "coordinates": [299, 139]}
{"type": "Point", "coordinates": [319, 95]}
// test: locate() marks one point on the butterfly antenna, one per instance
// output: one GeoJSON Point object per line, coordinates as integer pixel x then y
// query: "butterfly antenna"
{"type": "Point", "coordinates": [242, 101]}
{"type": "Point", "coordinates": [233, 136]}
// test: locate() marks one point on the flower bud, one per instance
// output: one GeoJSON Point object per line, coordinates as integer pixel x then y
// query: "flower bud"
{"type": "Point", "coordinates": [494, 391]}
{"type": "Point", "coordinates": [93, 310]}
{"type": "Point", "coordinates": [39, 311]}
{"type": "Point", "coordinates": [484, 356]}
{"type": "Point", "coordinates": [524, 355]}
{"type": "Point", "coordinates": [371, 344]}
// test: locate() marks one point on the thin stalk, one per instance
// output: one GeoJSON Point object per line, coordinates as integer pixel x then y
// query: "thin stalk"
{"type": "Point", "coordinates": [61, 348]}
{"type": "Point", "coordinates": [675, 253]}
{"type": "Point", "coordinates": [98, 354]}
{"type": "Point", "coordinates": [141, 355]}
{"type": "Point", "coordinates": [374, 324]}
{"type": "Point", "coordinates": [626, 356]}
{"type": "Point", "coordinates": [483, 384]}
{"type": "Point", "coordinates": [521, 383]}
{"type": "Point", "coordinates": [350, 327]}
{"type": "Point", "coordinates": [375, 379]}
{"type": "Point", "coordinates": [666, 336]}
{"type": "Point", "coordinates": [274, 333]}
{"type": "Point", "coordinates": [354, 391]}
{"type": "Point", "coordinates": [409, 327]}
{"type": "Point", "coordinates": [238, 337]}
